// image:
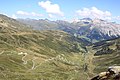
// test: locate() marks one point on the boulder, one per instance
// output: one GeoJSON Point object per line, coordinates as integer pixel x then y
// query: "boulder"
{"type": "Point", "coordinates": [113, 73]}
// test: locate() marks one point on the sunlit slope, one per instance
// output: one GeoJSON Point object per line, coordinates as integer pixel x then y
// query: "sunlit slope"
{"type": "Point", "coordinates": [41, 55]}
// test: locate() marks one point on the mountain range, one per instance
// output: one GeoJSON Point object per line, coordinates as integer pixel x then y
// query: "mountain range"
{"type": "Point", "coordinates": [92, 30]}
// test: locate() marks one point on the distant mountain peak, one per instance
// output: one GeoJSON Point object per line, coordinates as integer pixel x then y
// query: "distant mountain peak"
{"type": "Point", "coordinates": [86, 19]}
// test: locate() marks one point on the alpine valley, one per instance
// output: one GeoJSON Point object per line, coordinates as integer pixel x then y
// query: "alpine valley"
{"type": "Point", "coordinates": [57, 50]}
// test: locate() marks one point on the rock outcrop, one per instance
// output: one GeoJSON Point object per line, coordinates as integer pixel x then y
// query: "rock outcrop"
{"type": "Point", "coordinates": [113, 73]}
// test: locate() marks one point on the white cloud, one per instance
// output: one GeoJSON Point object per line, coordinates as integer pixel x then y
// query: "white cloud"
{"type": "Point", "coordinates": [93, 12]}
{"type": "Point", "coordinates": [22, 13]}
{"type": "Point", "coordinates": [14, 16]}
{"type": "Point", "coordinates": [4, 13]}
{"type": "Point", "coordinates": [116, 17]}
{"type": "Point", "coordinates": [29, 14]}
{"type": "Point", "coordinates": [51, 16]}
{"type": "Point", "coordinates": [51, 8]}
{"type": "Point", "coordinates": [36, 14]}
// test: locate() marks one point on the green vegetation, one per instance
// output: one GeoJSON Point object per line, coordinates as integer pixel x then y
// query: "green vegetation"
{"type": "Point", "coordinates": [51, 55]}
{"type": "Point", "coordinates": [107, 58]}
{"type": "Point", "coordinates": [27, 54]}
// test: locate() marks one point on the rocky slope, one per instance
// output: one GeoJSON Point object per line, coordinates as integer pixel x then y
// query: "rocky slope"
{"type": "Point", "coordinates": [98, 29]}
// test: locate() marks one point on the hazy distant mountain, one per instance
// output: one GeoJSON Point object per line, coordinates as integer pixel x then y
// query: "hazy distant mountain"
{"type": "Point", "coordinates": [41, 24]}
{"type": "Point", "coordinates": [94, 30]}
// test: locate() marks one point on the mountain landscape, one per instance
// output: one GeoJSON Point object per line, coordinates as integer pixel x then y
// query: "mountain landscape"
{"type": "Point", "coordinates": [59, 40]}
{"type": "Point", "coordinates": [27, 54]}
{"type": "Point", "coordinates": [57, 50]}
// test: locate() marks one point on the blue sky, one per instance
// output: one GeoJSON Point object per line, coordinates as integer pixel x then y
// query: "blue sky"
{"type": "Point", "coordinates": [61, 9]}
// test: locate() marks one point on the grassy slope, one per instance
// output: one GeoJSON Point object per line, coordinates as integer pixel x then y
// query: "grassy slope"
{"type": "Point", "coordinates": [26, 54]}
{"type": "Point", "coordinates": [102, 62]}
{"type": "Point", "coordinates": [55, 54]}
